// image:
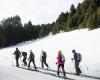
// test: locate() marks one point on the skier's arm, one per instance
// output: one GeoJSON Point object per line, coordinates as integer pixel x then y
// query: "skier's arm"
{"type": "Point", "coordinates": [21, 54]}
{"type": "Point", "coordinates": [74, 56]}
{"type": "Point", "coordinates": [72, 59]}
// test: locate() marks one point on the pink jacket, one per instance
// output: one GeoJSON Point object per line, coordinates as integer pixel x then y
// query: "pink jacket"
{"type": "Point", "coordinates": [59, 60]}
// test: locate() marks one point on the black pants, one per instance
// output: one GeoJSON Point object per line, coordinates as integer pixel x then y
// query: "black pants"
{"type": "Point", "coordinates": [78, 71]}
{"type": "Point", "coordinates": [24, 61]}
{"type": "Point", "coordinates": [17, 63]}
{"type": "Point", "coordinates": [33, 63]}
{"type": "Point", "coordinates": [44, 62]}
{"type": "Point", "coordinates": [61, 66]}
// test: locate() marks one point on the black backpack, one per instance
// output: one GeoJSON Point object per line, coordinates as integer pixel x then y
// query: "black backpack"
{"type": "Point", "coordinates": [24, 53]}
{"type": "Point", "coordinates": [79, 57]}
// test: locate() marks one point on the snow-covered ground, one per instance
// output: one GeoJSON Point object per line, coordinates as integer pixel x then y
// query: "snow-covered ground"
{"type": "Point", "coordinates": [83, 41]}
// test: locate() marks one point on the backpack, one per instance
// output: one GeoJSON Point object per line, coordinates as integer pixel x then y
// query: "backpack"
{"type": "Point", "coordinates": [63, 58]}
{"type": "Point", "coordinates": [79, 57]}
{"type": "Point", "coordinates": [24, 54]}
{"type": "Point", "coordinates": [44, 54]}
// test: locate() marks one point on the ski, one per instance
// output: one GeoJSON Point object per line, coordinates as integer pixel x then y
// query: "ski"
{"type": "Point", "coordinates": [47, 73]}
{"type": "Point", "coordinates": [64, 77]}
{"type": "Point", "coordinates": [81, 75]}
{"type": "Point", "coordinates": [30, 69]}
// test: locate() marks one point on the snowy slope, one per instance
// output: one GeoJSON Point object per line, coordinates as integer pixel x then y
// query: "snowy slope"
{"type": "Point", "coordinates": [83, 41]}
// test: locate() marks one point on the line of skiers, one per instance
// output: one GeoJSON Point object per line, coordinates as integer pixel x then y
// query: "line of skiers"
{"type": "Point", "coordinates": [60, 60]}
{"type": "Point", "coordinates": [31, 58]}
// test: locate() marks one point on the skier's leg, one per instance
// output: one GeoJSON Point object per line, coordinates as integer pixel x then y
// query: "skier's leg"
{"type": "Point", "coordinates": [25, 62]}
{"type": "Point", "coordinates": [58, 67]}
{"type": "Point", "coordinates": [42, 64]}
{"type": "Point", "coordinates": [29, 63]}
{"type": "Point", "coordinates": [76, 67]}
{"type": "Point", "coordinates": [45, 63]}
{"type": "Point", "coordinates": [79, 71]}
{"type": "Point", "coordinates": [17, 64]}
{"type": "Point", "coordinates": [34, 64]}
{"type": "Point", "coordinates": [63, 69]}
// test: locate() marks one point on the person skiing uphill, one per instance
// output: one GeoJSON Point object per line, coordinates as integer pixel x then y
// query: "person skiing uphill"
{"type": "Point", "coordinates": [60, 62]}
{"type": "Point", "coordinates": [43, 59]}
{"type": "Point", "coordinates": [31, 59]}
{"type": "Point", "coordinates": [17, 55]}
{"type": "Point", "coordinates": [77, 58]}
{"type": "Point", "coordinates": [24, 54]}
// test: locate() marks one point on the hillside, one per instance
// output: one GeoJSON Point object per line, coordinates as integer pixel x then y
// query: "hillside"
{"type": "Point", "coordinates": [83, 41]}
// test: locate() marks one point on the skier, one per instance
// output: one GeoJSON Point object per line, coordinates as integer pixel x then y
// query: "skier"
{"type": "Point", "coordinates": [17, 55]}
{"type": "Point", "coordinates": [60, 62]}
{"type": "Point", "coordinates": [77, 58]}
{"type": "Point", "coordinates": [43, 59]}
{"type": "Point", "coordinates": [24, 54]}
{"type": "Point", "coordinates": [31, 59]}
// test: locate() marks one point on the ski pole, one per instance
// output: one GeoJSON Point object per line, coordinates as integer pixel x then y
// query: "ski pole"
{"type": "Point", "coordinates": [73, 63]}
{"type": "Point", "coordinates": [82, 69]}
{"type": "Point", "coordinates": [86, 66]}
{"type": "Point", "coordinates": [12, 59]}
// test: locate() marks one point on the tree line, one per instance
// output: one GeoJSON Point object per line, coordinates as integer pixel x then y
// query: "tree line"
{"type": "Point", "coordinates": [12, 31]}
{"type": "Point", "coordinates": [86, 15]}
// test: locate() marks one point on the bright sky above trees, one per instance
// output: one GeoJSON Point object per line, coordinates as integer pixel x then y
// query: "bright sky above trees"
{"type": "Point", "coordinates": [38, 11]}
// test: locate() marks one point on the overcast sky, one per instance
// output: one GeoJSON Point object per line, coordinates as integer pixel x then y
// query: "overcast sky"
{"type": "Point", "coordinates": [38, 11]}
